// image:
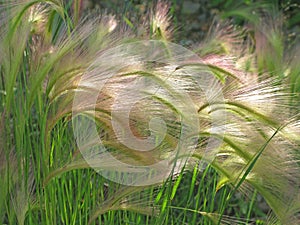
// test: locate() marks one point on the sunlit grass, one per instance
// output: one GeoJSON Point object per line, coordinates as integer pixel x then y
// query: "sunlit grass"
{"type": "Point", "coordinates": [46, 48]}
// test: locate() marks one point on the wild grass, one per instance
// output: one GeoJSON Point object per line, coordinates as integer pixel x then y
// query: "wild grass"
{"type": "Point", "coordinates": [50, 55]}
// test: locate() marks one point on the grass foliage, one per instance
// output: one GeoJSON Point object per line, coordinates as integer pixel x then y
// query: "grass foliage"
{"type": "Point", "coordinates": [47, 46]}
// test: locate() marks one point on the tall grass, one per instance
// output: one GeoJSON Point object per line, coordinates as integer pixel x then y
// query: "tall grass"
{"type": "Point", "coordinates": [48, 56]}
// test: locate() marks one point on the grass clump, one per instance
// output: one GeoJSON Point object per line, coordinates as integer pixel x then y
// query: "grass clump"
{"type": "Point", "coordinates": [239, 142]}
